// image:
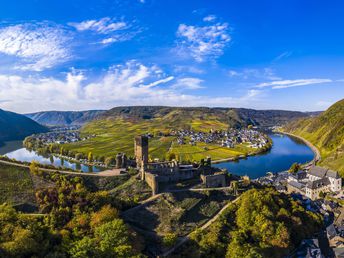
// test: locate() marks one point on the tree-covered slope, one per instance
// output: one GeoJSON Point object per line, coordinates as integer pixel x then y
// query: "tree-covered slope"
{"type": "Point", "coordinates": [16, 127]}
{"type": "Point", "coordinates": [62, 118]}
{"type": "Point", "coordinates": [326, 132]}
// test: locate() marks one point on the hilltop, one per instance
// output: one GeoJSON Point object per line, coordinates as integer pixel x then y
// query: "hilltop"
{"type": "Point", "coordinates": [114, 130]}
{"type": "Point", "coordinates": [63, 118]}
{"type": "Point", "coordinates": [14, 126]}
{"type": "Point", "coordinates": [233, 117]}
{"type": "Point", "coordinates": [326, 132]}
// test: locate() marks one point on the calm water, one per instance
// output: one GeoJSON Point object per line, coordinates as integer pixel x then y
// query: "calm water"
{"type": "Point", "coordinates": [284, 152]}
{"type": "Point", "coordinates": [15, 150]}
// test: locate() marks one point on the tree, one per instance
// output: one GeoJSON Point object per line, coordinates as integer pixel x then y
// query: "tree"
{"type": "Point", "coordinates": [113, 239]}
{"type": "Point", "coordinates": [105, 214]}
{"type": "Point", "coordinates": [34, 167]}
{"type": "Point", "coordinates": [86, 247]}
{"type": "Point", "coordinates": [294, 168]}
{"type": "Point", "coordinates": [169, 239]}
{"type": "Point", "coordinates": [90, 157]}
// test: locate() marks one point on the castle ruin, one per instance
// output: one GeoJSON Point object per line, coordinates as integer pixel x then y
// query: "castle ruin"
{"type": "Point", "coordinates": [171, 171]}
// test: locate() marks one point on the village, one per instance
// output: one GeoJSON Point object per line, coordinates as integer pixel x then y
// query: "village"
{"type": "Point", "coordinates": [227, 139]}
{"type": "Point", "coordinates": [60, 135]}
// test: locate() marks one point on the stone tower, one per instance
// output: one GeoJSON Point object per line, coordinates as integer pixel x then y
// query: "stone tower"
{"type": "Point", "coordinates": [141, 152]}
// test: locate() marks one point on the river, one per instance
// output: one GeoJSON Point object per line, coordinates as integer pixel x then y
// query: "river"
{"type": "Point", "coordinates": [15, 150]}
{"type": "Point", "coordinates": [284, 152]}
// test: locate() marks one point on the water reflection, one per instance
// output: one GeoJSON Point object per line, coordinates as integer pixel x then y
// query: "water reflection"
{"type": "Point", "coordinates": [23, 154]}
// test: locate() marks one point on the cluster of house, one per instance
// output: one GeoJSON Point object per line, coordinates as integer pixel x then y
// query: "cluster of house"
{"type": "Point", "coordinates": [60, 136]}
{"type": "Point", "coordinates": [223, 138]}
{"type": "Point", "coordinates": [313, 183]}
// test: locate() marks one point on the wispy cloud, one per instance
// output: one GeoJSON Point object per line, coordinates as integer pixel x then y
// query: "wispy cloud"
{"type": "Point", "coordinates": [103, 26]}
{"type": "Point", "coordinates": [282, 84]}
{"type": "Point", "coordinates": [209, 18]}
{"type": "Point", "coordinates": [131, 83]}
{"type": "Point", "coordinates": [203, 42]}
{"type": "Point", "coordinates": [38, 46]}
{"type": "Point", "coordinates": [285, 54]}
{"type": "Point", "coordinates": [248, 73]}
{"type": "Point", "coordinates": [188, 84]}
{"type": "Point", "coordinates": [110, 29]}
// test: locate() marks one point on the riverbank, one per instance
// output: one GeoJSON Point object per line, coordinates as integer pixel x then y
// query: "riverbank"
{"type": "Point", "coordinates": [259, 151]}
{"type": "Point", "coordinates": [317, 156]}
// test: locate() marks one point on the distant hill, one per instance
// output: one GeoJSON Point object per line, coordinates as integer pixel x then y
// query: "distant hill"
{"type": "Point", "coordinates": [233, 117]}
{"type": "Point", "coordinates": [16, 127]}
{"type": "Point", "coordinates": [63, 118]}
{"type": "Point", "coordinates": [325, 131]}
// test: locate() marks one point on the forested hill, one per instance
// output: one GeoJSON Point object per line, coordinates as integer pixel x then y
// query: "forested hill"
{"type": "Point", "coordinates": [327, 133]}
{"type": "Point", "coordinates": [16, 127]}
{"type": "Point", "coordinates": [234, 117]}
{"type": "Point", "coordinates": [63, 118]}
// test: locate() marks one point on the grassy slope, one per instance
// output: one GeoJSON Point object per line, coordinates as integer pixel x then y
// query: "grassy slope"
{"type": "Point", "coordinates": [116, 134]}
{"type": "Point", "coordinates": [327, 133]}
{"type": "Point", "coordinates": [16, 185]}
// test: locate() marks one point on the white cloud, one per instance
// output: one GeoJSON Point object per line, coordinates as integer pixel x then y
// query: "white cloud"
{"type": "Point", "coordinates": [247, 73]}
{"type": "Point", "coordinates": [129, 84]}
{"type": "Point", "coordinates": [107, 29]}
{"type": "Point", "coordinates": [203, 42]}
{"type": "Point", "coordinates": [282, 84]}
{"type": "Point", "coordinates": [209, 18]}
{"type": "Point", "coordinates": [285, 54]}
{"type": "Point", "coordinates": [38, 46]}
{"type": "Point", "coordinates": [105, 25]}
{"type": "Point", "coordinates": [188, 84]}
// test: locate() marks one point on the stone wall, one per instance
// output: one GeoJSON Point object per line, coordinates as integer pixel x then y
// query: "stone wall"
{"type": "Point", "coordinates": [152, 181]}
{"type": "Point", "coordinates": [213, 181]}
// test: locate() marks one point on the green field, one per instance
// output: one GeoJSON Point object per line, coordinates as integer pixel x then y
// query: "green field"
{"type": "Point", "coordinates": [16, 186]}
{"type": "Point", "coordinates": [117, 135]}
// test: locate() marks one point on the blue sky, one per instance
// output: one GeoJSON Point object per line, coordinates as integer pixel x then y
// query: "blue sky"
{"type": "Point", "coordinates": [78, 55]}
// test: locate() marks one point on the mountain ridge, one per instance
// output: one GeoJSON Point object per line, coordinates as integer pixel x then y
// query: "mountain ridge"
{"type": "Point", "coordinates": [14, 126]}
{"type": "Point", "coordinates": [64, 118]}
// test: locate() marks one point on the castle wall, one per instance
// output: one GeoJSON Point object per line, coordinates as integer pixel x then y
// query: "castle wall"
{"type": "Point", "coordinates": [213, 181]}
{"type": "Point", "coordinates": [152, 181]}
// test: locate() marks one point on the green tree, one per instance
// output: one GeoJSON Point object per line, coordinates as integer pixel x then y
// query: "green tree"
{"type": "Point", "coordinates": [294, 168]}
{"type": "Point", "coordinates": [113, 239]}
{"type": "Point", "coordinates": [34, 167]}
{"type": "Point", "coordinates": [90, 157]}
{"type": "Point", "coordinates": [169, 239]}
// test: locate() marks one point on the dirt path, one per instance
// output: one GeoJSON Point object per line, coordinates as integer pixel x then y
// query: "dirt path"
{"type": "Point", "coordinates": [106, 173]}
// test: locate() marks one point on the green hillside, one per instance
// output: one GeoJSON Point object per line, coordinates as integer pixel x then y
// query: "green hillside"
{"type": "Point", "coordinates": [16, 127]}
{"type": "Point", "coordinates": [115, 130]}
{"type": "Point", "coordinates": [327, 133]}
